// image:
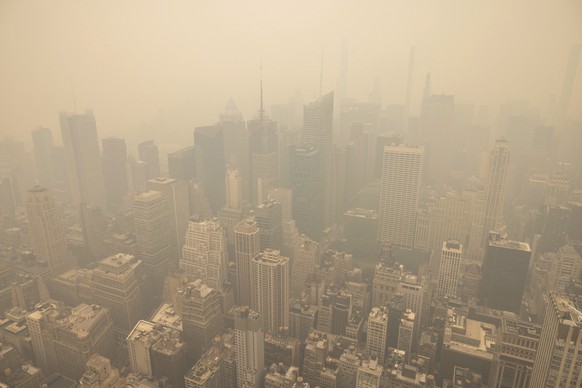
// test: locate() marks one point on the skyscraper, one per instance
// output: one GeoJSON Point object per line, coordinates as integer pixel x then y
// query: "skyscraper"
{"type": "Point", "coordinates": [250, 342]}
{"type": "Point", "coordinates": [47, 231]}
{"type": "Point", "coordinates": [150, 214]}
{"type": "Point", "coordinates": [148, 153]}
{"type": "Point", "coordinates": [83, 157]}
{"type": "Point", "coordinates": [247, 247]}
{"type": "Point", "coordinates": [449, 268]}
{"type": "Point", "coordinates": [182, 164]}
{"type": "Point", "coordinates": [114, 159]}
{"type": "Point", "coordinates": [115, 285]}
{"type": "Point", "coordinates": [496, 187]}
{"type": "Point", "coordinates": [305, 258]}
{"type": "Point", "coordinates": [204, 255]}
{"type": "Point", "coordinates": [175, 193]}
{"type": "Point", "coordinates": [264, 162]}
{"type": "Point", "coordinates": [399, 194]}
{"type": "Point", "coordinates": [201, 316]}
{"type": "Point", "coordinates": [269, 217]}
{"type": "Point", "coordinates": [377, 333]}
{"type": "Point", "coordinates": [210, 163]}
{"type": "Point", "coordinates": [505, 271]}
{"type": "Point", "coordinates": [306, 180]}
{"type": "Point", "coordinates": [318, 130]}
{"type": "Point", "coordinates": [558, 362]}
{"type": "Point", "coordinates": [270, 289]}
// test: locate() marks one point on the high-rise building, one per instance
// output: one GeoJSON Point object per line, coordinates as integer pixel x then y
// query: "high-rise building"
{"type": "Point", "coordinates": [305, 258]}
{"type": "Point", "coordinates": [377, 333]}
{"type": "Point", "coordinates": [138, 174]}
{"type": "Point", "coordinates": [204, 255]}
{"type": "Point", "coordinates": [236, 142]}
{"type": "Point", "coordinates": [269, 217]}
{"type": "Point", "coordinates": [210, 163]}
{"type": "Point", "coordinates": [558, 362]}
{"type": "Point", "coordinates": [150, 214]}
{"type": "Point", "coordinates": [496, 187]}
{"type": "Point", "coordinates": [148, 153]}
{"type": "Point", "coordinates": [114, 159]}
{"type": "Point", "coordinates": [505, 271]}
{"type": "Point", "coordinates": [449, 268]}
{"type": "Point", "coordinates": [175, 193]}
{"type": "Point", "coordinates": [202, 318]}
{"type": "Point", "coordinates": [514, 356]}
{"type": "Point", "coordinates": [246, 247]}
{"type": "Point", "coordinates": [566, 267]}
{"type": "Point", "coordinates": [369, 374]}
{"type": "Point", "coordinates": [318, 130]}
{"type": "Point", "coordinates": [250, 342]}
{"type": "Point", "coordinates": [232, 212]}
{"type": "Point", "coordinates": [115, 285]}
{"type": "Point", "coordinates": [7, 200]}
{"type": "Point", "coordinates": [306, 181]}
{"type": "Point", "coordinates": [216, 368]}
{"type": "Point", "coordinates": [406, 333]}
{"type": "Point", "coordinates": [63, 339]}
{"type": "Point", "coordinates": [157, 351]}
{"type": "Point", "coordinates": [83, 157]}
{"type": "Point", "coordinates": [47, 231]}
{"type": "Point", "coordinates": [399, 194]}
{"type": "Point", "coordinates": [43, 149]}
{"type": "Point", "coordinates": [264, 162]}
{"type": "Point", "coordinates": [270, 289]}
{"type": "Point", "coordinates": [182, 164]}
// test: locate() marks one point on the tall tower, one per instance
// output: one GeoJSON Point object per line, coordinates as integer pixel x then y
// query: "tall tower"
{"type": "Point", "coordinates": [247, 247]}
{"type": "Point", "coordinates": [176, 194]}
{"type": "Point", "coordinates": [150, 214]}
{"type": "Point", "coordinates": [269, 217]}
{"type": "Point", "coordinates": [114, 284]}
{"type": "Point", "coordinates": [47, 231]}
{"type": "Point", "coordinates": [305, 258]}
{"type": "Point", "coordinates": [450, 266]}
{"type": "Point", "coordinates": [83, 157]}
{"type": "Point", "coordinates": [263, 147]}
{"type": "Point", "coordinates": [496, 187]}
{"type": "Point", "coordinates": [201, 316]}
{"type": "Point", "coordinates": [399, 194]}
{"type": "Point", "coordinates": [505, 270]}
{"type": "Point", "coordinates": [270, 289]}
{"type": "Point", "coordinates": [114, 161]}
{"type": "Point", "coordinates": [318, 130]}
{"type": "Point", "coordinates": [148, 152]}
{"type": "Point", "coordinates": [250, 342]}
{"type": "Point", "coordinates": [210, 163]}
{"type": "Point", "coordinates": [558, 362]}
{"type": "Point", "coordinates": [306, 181]}
{"type": "Point", "coordinates": [204, 256]}
{"type": "Point", "coordinates": [377, 333]}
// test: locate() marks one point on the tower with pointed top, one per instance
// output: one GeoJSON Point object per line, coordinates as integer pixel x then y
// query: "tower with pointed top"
{"type": "Point", "coordinates": [264, 154]}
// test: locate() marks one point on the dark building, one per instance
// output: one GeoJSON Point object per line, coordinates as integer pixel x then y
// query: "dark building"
{"type": "Point", "coordinates": [182, 164]}
{"type": "Point", "coordinates": [113, 160]}
{"type": "Point", "coordinates": [148, 152]}
{"type": "Point", "coordinates": [269, 217]}
{"type": "Point", "coordinates": [505, 271]}
{"type": "Point", "coordinates": [210, 164]}
{"type": "Point", "coordinates": [306, 181]}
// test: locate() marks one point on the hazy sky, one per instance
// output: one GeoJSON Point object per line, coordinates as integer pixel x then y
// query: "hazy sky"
{"type": "Point", "coordinates": [167, 66]}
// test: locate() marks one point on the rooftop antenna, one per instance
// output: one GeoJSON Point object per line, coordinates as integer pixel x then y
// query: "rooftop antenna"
{"type": "Point", "coordinates": [321, 74]}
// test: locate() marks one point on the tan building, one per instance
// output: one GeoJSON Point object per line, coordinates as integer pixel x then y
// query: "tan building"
{"type": "Point", "coordinates": [47, 231]}
{"type": "Point", "coordinates": [270, 289]}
